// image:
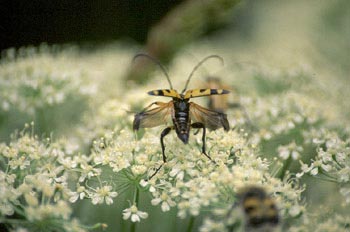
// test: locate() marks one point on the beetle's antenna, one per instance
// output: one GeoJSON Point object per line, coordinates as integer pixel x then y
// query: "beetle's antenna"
{"type": "Point", "coordinates": [156, 62]}
{"type": "Point", "coordinates": [197, 66]}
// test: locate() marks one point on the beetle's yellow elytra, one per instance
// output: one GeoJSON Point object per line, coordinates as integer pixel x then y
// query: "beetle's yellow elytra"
{"type": "Point", "coordinates": [165, 93]}
{"type": "Point", "coordinates": [204, 92]}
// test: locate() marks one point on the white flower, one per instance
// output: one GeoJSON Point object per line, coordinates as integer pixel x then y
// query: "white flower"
{"type": "Point", "coordinates": [283, 153]}
{"type": "Point", "coordinates": [289, 150]}
{"type": "Point", "coordinates": [346, 193]}
{"type": "Point", "coordinates": [138, 169]}
{"type": "Point", "coordinates": [344, 174]}
{"type": "Point", "coordinates": [31, 199]}
{"type": "Point", "coordinates": [211, 226]}
{"type": "Point", "coordinates": [88, 171]}
{"type": "Point", "coordinates": [317, 141]}
{"type": "Point", "coordinates": [327, 167]}
{"type": "Point", "coordinates": [134, 214]}
{"type": "Point", "coordinates": [167, 202]}
{"type": "Point", "coordinates": [314, 170]}
{"type": "Point", "coordinates": [183, 207]}
{"type": "Point", "coordinates": [179, 169]}
{"type": "Point", "coordinates": [325, 156]}
{"type": "Point", "coordinates": [143, 183]}
{"type": "Point", "coordinates": [103, 194]}
{"type": "Point", "coordinates": [314, 167]}
{"type": "Point", "coordinates": [340, 157]}
{"type": "Point", "coordinates": [294, 211]}
{"type": "Point", "coordinates": [79, 194]}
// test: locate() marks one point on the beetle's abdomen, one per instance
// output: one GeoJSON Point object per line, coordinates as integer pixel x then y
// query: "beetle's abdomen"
{"type": "Point", "coordinates": [182, 120]}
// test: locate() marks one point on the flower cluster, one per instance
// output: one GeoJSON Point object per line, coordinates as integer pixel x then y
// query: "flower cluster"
{"type": "Point", "coordinates": [189, 180]}
{"type": "Point", "coordinates": [280, 134]}
{"type": "Point", "coordinates": [110, 116]}
{"type": "Point", "coordinates": [324, 222]}
{"type": "Point", "coordinates": [278, 115]}
{"type": "Point", "coordinates": [332, 160]}
{"type": "Point", "coordinates": [37, 80]}
{"type": "Point", "coordinates": [34, 185]}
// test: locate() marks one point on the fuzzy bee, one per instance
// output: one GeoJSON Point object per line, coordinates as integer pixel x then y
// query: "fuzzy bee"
{"type": "Point", "coordinates": [257, 209]}
{"type": "Point", "coordinates": [183, 113]}
{"type": "Point", "coordinates": [260, 209]}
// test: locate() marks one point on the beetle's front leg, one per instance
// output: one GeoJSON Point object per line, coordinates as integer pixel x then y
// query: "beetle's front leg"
{"type": "Point", "coordinates": [201, 125]}
{"type": "Point", "coordinates": [163, 134]}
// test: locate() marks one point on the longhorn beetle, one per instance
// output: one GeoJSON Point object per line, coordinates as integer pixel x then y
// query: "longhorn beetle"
{"type": "Point", "coordinates": [184, 114]}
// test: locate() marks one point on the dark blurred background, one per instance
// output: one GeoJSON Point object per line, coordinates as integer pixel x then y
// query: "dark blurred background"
{"type": "Point", "coordinates": [322, 24]}
{"type": "Point", "coordinates": [24, 23]}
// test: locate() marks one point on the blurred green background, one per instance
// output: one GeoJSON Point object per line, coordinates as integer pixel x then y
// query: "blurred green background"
{"type": "Point", "coordinates": [277, 33]}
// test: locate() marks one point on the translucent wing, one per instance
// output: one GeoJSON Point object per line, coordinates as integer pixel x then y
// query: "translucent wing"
{"type": "Point", "coordinates": [210, 118]}
{"type": "Point", "coordinates": [153, 117]}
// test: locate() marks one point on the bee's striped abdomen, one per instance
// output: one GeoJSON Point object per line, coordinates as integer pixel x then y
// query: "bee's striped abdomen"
{"type": "Point", "coordinates": [260, 209]}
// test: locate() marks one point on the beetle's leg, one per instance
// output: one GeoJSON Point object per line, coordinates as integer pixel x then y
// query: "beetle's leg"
{"type": "Point", "coordinates": [201, 125]}
{"type": "Point", "coordinates": [196, 132]}
{"type": "Point", "coordinates": [163, 134]}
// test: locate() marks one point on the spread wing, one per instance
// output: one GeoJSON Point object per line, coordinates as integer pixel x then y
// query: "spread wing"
{"type": "Point", "coordinates": [210, 118]}
{"type": "Point", "coordinates": [153, 117]}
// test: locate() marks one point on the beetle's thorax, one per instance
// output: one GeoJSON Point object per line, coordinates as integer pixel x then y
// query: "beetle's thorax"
{"type": "Point", "coordinates": [181, 118]}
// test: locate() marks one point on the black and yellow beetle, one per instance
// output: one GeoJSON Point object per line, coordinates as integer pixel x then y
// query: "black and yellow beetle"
{"type": "Point", "coordinates": [183, 113]}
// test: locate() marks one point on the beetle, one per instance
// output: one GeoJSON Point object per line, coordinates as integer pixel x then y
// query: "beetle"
{"type": "Point", "coordinates": [183, 113]}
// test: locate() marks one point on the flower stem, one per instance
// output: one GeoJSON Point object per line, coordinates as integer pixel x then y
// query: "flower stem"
{"type": "Point", "coordinates": [190, 224]}
{"type": "Point", "coordinates": [285, 167]}
{"type": "Point", "coordinates": [136, 196]}
{"type": "Point", "coordinates": [136, 202]}
{"type": "Point", "coordinates": [133, 227]}
{"type": "Point", "coordinates": [95, 226]}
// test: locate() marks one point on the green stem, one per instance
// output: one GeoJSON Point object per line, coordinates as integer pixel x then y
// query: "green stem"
{"type": "Point", "coordinates": [327, 175]}
{"type": "Point", "coordinates": [285, 167]}
{"type": "Point", "coordinates": [136, 202]}
{"type": "Point", "coordinates": [14, 221]}
{"type": "Point", "coordinates": [40, 118]}
{"type": "Point", "coordinates": [133, 227]}
{"type": "Point", "coordinates": [19, 210]}
{"type": "Point", "coordinates": [95, 226]}
{"type": "Point", "coordinates": [136, 196]}
{"type": "Point", "coordinates": [190, 224]}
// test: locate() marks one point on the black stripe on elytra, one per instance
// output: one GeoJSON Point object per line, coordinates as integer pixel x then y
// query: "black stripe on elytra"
{"type": "Point", "coordinates": [221, 91]}
{"type": "Point", "coordinates": [202, 90]}
{"type": "Point", "coordinates": [156, 93]}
